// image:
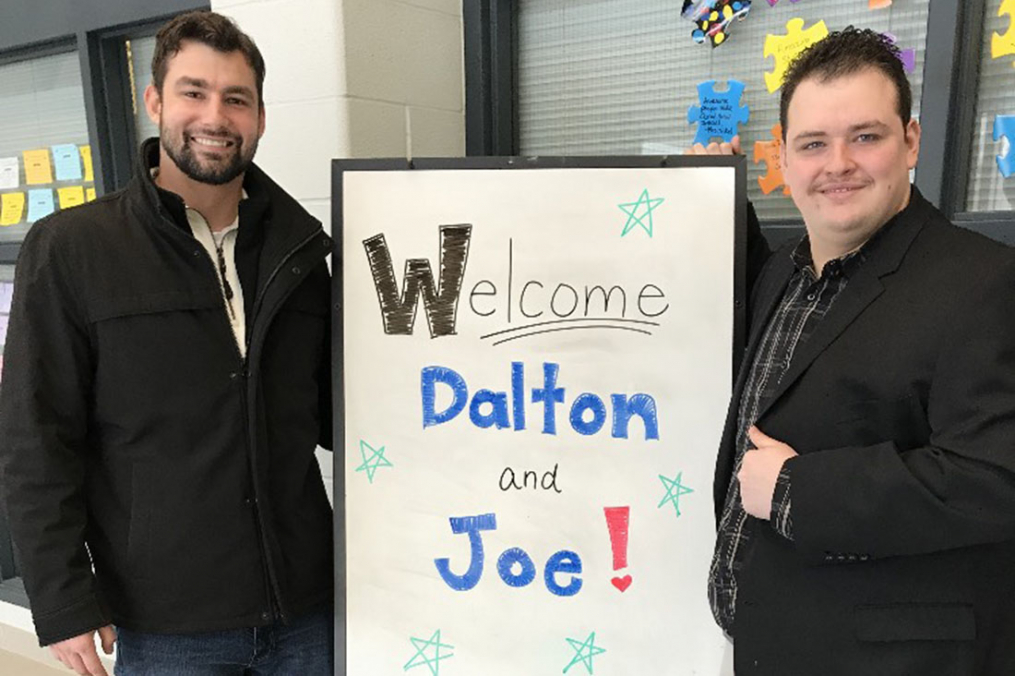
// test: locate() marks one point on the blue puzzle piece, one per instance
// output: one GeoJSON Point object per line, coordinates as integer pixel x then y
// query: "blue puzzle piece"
{"type": "Point", "coordinates": [1004, 126]}
{"type": "Point", "coordinates": [719, 113]}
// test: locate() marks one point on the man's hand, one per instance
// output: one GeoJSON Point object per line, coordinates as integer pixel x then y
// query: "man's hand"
{"type": "Point", "coordinates": [731, 148]}
{"type": "Point", "coordinates": [759, 471]}
{"type": "Point", "coordinates": [79, 653]}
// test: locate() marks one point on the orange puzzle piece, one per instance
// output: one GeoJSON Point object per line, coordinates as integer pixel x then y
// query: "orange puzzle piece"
{"type": "Point", "coordinates": [769, 152]}
{"type": "Point", "coordinates": [879, 4]}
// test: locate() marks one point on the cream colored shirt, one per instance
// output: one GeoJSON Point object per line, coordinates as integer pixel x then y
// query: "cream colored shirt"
{"type": "Point", "coordinates": [221, 245]}
{"type": "Point", "coordinates": [223, 241]}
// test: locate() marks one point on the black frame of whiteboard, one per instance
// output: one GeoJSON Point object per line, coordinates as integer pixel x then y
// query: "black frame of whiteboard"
{"type": "Point", "coordinates": [338, 169]}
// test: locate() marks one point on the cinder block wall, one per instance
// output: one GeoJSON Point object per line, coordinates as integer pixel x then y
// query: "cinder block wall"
{"type": "Point", "coordinates": [354, 78]}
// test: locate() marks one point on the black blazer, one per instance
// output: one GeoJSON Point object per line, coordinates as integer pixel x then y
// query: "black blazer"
{"type": "Point", "coordinates": [902, 408]}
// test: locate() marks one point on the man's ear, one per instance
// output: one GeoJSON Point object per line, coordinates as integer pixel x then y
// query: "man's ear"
{"type": "Point", "coordinates": [913, 132]}
{"type": "Point", "coordinates": [153, 103]}
{"type": "Point", "coordinates": [260, 121]}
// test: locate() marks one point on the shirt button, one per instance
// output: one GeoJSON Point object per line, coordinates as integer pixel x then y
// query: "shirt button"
{"type": "Point", "coordinates": [296, 270]}
{"type": "Point", "coordinates": [811, 296]}
{"type": "Point", "coordinates": [266, 616]}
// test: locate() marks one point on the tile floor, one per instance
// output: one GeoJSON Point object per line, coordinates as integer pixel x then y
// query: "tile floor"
{"type": "Point", "coordinates": [12, 664]}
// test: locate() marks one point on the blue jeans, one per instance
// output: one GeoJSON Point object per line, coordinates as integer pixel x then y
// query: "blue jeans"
{"type": "Point", "coordinates": [304, 648]}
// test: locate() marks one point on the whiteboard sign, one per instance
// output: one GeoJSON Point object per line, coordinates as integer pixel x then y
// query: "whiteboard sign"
{"type": "Point", "coordinates": [537, 363]}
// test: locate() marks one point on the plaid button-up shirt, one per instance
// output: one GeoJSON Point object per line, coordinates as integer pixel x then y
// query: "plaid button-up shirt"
{"type": "Point", "coordinates": [804, 304]}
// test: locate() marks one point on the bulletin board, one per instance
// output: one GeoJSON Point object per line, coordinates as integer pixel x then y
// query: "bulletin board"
{"type": "Point", "coordinates": [535, 363]}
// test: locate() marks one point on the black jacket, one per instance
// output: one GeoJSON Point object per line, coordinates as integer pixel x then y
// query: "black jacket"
{"type": "Point", "coordinates": [901, 405]}
{"type": "Point", "coordinates": [135, 437]}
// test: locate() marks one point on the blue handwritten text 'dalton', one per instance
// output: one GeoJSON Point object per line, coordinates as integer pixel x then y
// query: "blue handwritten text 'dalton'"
{"type": "Point", "coordinates": [489, 408]}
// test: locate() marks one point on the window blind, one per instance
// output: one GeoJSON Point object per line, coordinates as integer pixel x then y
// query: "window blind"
{"type": "Point", "coordinates": [987, 188]}
{"type": "Point", "coordinates": [616, 77]}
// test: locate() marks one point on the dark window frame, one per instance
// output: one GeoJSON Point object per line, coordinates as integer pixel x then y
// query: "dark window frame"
{"type": "Point", "coordinates": [947, 108]}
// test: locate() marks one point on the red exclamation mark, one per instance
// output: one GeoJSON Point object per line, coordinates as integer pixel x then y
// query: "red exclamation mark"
{"type": "Point", "coordinates": [617, 520]}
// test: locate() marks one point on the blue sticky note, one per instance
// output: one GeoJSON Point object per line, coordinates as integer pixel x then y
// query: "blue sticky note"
{"type": "Point", "coordinates": [67, 161]}
{"type": "Point", "coordinates": [40, 204]}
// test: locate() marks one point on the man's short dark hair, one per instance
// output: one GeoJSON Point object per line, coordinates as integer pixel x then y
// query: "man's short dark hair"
{"type": "Point", "coordinates": [208, 28]}
{"type": "Point", "coordinates": [848, 52]}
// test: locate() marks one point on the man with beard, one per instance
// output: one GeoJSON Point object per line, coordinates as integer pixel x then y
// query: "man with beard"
{"type": "Point", "coordinates": [167, 382]}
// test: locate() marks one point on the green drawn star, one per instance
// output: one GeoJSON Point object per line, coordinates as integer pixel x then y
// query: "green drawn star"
{"type": "Point", "coordinates": [376, 460]}
{"type": "Point", "coordinates": [581, 656]}
{"type": "Point", "coordinates": [632, 208]}
{"type": "Point", "coordinates": [674, 489]}
{"type": "Point", "coordinates": [420, 659]}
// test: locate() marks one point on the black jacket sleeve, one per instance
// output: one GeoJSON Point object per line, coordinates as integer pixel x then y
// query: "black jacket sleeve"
{"type": "Point", "coordinates": [44, 452]}
{"type": "Point", "coordinates": [758, 251]}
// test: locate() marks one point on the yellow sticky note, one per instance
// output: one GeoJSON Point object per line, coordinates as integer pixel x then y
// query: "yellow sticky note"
{"type": "Point", "coordinates": [12, 207]}
{"type": "Point", "coordinates": [86, 157]}
{"type": "Point", "coordinates": [38, 169]}
{"type": "Point", "coordinates": [89, 194]}
{"type": "Point", "coordinates": [71, 196]}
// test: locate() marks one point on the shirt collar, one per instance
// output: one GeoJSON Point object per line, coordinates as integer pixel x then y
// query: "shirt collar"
{"type": "Point", "coordinates": [849, 262]}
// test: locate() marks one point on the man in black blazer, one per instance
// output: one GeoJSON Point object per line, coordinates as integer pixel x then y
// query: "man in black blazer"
{"type": "Point", "coordinates": [865, 484]}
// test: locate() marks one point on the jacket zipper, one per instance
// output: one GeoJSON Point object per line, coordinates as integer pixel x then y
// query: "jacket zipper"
{"type": "Point", "coordinates": [276, 595]}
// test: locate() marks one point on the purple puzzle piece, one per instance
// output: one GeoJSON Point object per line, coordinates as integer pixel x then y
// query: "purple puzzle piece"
{"type": "Point", "coordinates": [772, 3]}
{"type": "Point", "coordinates": [906, 56]}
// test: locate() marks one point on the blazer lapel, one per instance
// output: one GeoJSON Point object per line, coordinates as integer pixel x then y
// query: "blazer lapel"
{"type": "Point", "coordinates": [862, 289]}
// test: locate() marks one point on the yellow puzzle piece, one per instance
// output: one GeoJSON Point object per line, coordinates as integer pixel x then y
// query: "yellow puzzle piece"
{"type": "Point", "coordinates": [1004, 45]}
{"type": "Point", "coordinates": [787, 47]}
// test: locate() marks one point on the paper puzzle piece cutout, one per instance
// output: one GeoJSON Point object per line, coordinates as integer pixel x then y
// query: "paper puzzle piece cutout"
{"type": "Point", "coordinates": [879, 4]}
{"type": "Point", "coordinates": [787, 47]}
{"type": "Point", "coordinates": [770, 152]}
{"type": "Point", "coordinates": [1004, 45]}
{"type": "Point", "coordinates": [714, 18]}
{"type": "Point", "coordinates": [718, 113]}
{"type": "Point", "coordinates": [773, 3]}
{"type": "Point", "coordinates": [1004, 127]}
{"type": "Point", "coordinates": [906, 56]}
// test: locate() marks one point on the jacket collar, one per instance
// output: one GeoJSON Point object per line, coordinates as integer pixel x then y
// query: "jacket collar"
{"type": "Point", "coordinates": [253, 210]}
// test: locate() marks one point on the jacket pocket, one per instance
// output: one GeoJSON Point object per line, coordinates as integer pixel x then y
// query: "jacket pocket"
{"type": "Point", "coordinates": [915, 622]}
{"type": "Point", "coordinates": [104, 309]}
{"type": "Point", "coordinates": [139, 529]}
{"type": "Point", "coordinates": [870, 421]}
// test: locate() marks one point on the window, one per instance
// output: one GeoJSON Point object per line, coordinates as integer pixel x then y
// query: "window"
{"type": "Point", "coordinates": [45, 152]}
{"type": "Point", "coordinates": [141, 51]}
{"type": "Point", "coordinates": [988, 189]}
{"type": "Point", "coordinates": [616, 77]}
